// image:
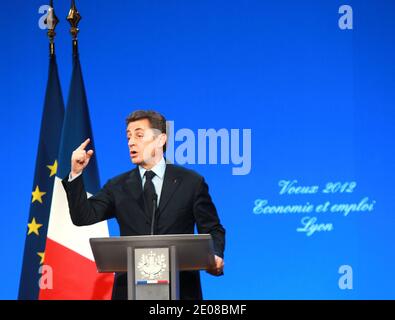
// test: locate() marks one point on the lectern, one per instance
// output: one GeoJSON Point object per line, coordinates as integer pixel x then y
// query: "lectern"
{"type": "Point", "coordinates": [153, 262]}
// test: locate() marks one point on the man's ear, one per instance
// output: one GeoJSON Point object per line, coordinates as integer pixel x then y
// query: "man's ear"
{"type": "Point", "coordinates": [162, 139]}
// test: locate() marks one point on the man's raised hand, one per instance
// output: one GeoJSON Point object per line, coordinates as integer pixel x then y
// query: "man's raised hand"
{"type": "Point", "coordinates": [80, 158]}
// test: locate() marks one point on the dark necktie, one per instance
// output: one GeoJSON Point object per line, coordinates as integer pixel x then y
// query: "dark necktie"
{"type": "Point", "coordinates": [150, 196]}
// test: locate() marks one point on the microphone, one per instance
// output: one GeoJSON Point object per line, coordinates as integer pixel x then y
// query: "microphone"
{"type": "Point", "coordinates": [154, 205]}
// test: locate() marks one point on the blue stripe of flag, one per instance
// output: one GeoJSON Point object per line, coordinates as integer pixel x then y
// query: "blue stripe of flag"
{"type": "Point", "coordinates": [76, 129]}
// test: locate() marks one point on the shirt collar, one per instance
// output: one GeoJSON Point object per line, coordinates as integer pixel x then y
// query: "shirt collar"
{"type": "Point", "coordinates": [158, 169]}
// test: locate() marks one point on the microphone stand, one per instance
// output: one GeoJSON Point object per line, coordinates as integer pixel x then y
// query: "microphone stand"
{"type": "Point", "coordinates": [154, 202]}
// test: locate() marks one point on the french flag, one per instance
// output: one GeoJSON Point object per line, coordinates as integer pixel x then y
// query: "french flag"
{"type": "Point", "coordinates": [68, 252]}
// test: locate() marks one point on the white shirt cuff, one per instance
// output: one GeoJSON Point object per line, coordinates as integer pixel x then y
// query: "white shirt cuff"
{"type": "Point", "coordinates": [73, 178]}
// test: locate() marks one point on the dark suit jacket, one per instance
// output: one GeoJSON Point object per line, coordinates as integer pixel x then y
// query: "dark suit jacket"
{"type": "Point", "coordinates": [184, 202]}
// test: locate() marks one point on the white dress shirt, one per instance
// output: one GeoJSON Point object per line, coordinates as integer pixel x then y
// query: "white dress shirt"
{"type": "Point", "coordinates": [159, 170]}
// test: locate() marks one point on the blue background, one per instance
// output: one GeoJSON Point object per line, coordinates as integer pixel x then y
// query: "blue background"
{"type": "Point", "coordinates": [319, 101]}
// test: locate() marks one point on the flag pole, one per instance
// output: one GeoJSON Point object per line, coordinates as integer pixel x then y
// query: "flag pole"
{"type": "Point", "coordinates": [74, 18]}
{"type": "Point", "coordinates": [51, 21]}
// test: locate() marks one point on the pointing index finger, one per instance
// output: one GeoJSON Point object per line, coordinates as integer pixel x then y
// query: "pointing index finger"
{"type": "Point", "coordinates": [84, 144]}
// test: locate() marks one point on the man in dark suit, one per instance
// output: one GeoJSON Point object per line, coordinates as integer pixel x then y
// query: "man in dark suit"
{"type": "Point", "coordinates": [182, 196]}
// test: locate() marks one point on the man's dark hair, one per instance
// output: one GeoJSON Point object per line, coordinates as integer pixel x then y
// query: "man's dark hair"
{"type": "Point", "coordinates": [156, 120]}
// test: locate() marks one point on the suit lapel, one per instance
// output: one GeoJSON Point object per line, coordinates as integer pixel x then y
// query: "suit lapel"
{"type": "Point", "coordinates": [134, 188]}
{"type": "Point", "coordinates": [170, 184]}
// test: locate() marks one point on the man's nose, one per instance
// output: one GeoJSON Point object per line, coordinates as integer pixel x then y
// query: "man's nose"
{"type": "Point", "coordinates": [131, 142]}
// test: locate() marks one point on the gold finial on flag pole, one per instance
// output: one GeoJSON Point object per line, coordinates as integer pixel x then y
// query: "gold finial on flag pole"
{"type": "Point", "coordinates": [51, 21]}
{"type": "Point", "coordinates": [74, 18]}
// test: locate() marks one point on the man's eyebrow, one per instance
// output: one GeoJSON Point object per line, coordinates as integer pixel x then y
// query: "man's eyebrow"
{"type": "Point", "coordinates": [128, 130]}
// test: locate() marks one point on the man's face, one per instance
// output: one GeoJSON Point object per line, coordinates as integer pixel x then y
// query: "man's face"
{"type": "Point", "coordinates": [145, 144]}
